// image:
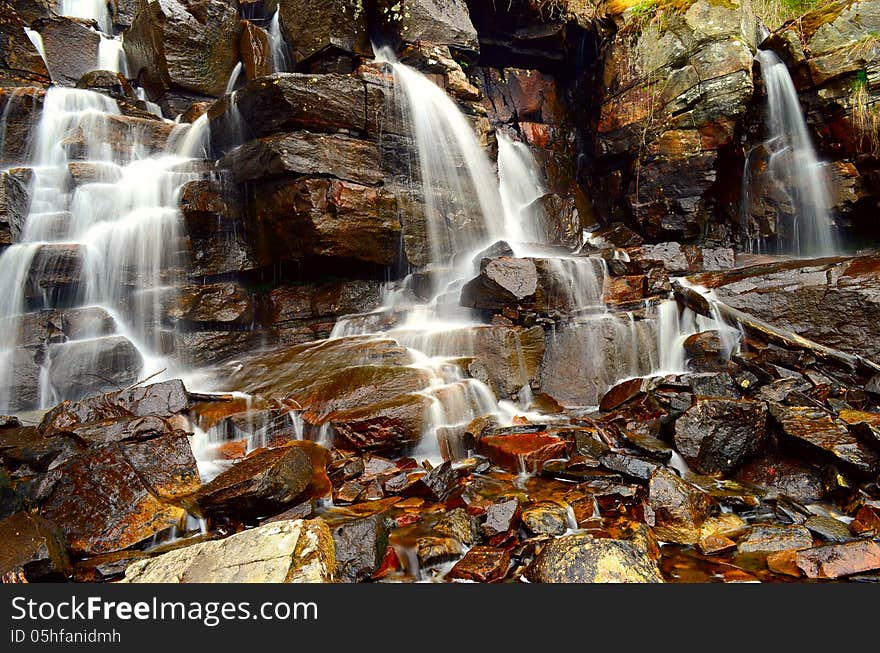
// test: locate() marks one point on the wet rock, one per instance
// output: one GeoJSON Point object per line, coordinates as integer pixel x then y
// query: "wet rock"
{"type": "Point", "coordinates": [482, 564]}
{"type": "Point", "coordinates": [584, 559]}
{"type": "Point", "coordinates": [332, 29]}
{"type": "Point", "coordinates": [289, 102]}
{"type": "Point", "coordinates": [23, 387]}
{"type": "Point", "coordinates": [505, 358]}
{"type": "Point", "coordinates": [867, 519]}
{"type": "Point", "coordinates": [720, 384]}
{"type": "Point", "coordinates": [71, 48]}
{"type": "Point", "coordinates": [20, 63]}
{"type": "Point", "coordinates": [625, 289]}
{"type": "Point", "coordinates": [522, 450]}
{"type": "Point", "coordinates": [836, 560]}
{"type": "Point", "coordinates": [55, 275]}
{"type": "Point", "coordinates": [716, 533]}
{"type": "Point", "coordinates": [459, 524]}
{"type": "Point", "coordinates": [616, 235]}
{"type": "Point", "coordinates": [89, 172]}
{"type": "Point", "coordinates": [546, 518]}
{"type": "Point", "coordinates": [87, 367]}
{"type": "Point", "coordinates": [820, 432]}
{"type": "Point", "coordinates": [158, 399]}
{"type": "Point", "coordinates": [224, 303]}
{"type": "Point", "coordinates": [679, 508]}
{"type": "Point", "coordinates": [108, 83]}
{"type": "Point", "coordinates": [443, 22]}
{"type": "Point", "coordinates": [500, 518]}
{"type": "Point", "coordinates": [768, 538]}
{"type": "Point", "coordinates": [384, 426]}
{"type": "Point", "coordinates": [170, 46]}
{"type": "Point", "coordinates": [109, 498]}
{"type": "Point", "coordinates": [788, 476]}
{"type": "Point", "coordinates": [33, 546]}
{"type": "Point", "coordinates": [717, 435]}
{"type": "Point", "coordinates": [829, 529]}
{"type": "Point", "coordinates": [503, 281]}
{"type": "Point", "coordinates": [305, 218]}
{"type": "Point", "coordinates": [306, 153]}
{"type": "Point", "coordinates": [14, 203]}
{"type": "Point", "coordinates": [297, 551]}
{"type": "Point", "coordinates": [360, 546]}
{"type": "Point", "coordinates": [267, 480]}
{"type": "Point", "coordinates": [784, 562]}
{"type": "Point", "coordinates": [622, 393]}
{"type": "Point", "coordinates": [255, 51]}
{"type": "Point", "coordinates": [634, 466]}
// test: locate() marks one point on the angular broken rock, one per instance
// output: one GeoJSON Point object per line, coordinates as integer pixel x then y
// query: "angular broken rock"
{"type": "Point", "coordinates": [296, 551]}
{"type": "Point", "coordinates": [836, 560]}
{"type": "Point", "coordinates": [546, 518]}
{"type": "Point", "coordinates": [483, 564]}
{"type": "Point", "coordinates": [33, 546]}
{"type": "Point", "coordinates": [766, 538]}
{"type": "Point", "coordinates": [522, 449]}
{"type": "Point", "coordinates": [267, 480]}
{"type": "Point", "coordinates": [717, 435]}
{"type": "Point", "coordinates": [582, 558]}
{"type": "Point", "coordinates": [679, 508]}
{"type": "Point", "coordinates": [360, 547]}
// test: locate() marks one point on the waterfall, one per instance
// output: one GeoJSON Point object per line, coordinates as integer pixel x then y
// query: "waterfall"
{"type": "Point", "coordinates": [90, 9]}
{"type": "Point", "coordinates": [277, 44]}
{"type": "Point", "coordinates": [37, 39]}
{"type": "Point", "coordinates": [794, 164]}
{"type": "Point", "coordinates": [117, 226]}
{"type": "Point", "coordinates": [233, 78]}
{"type": "Point", "coordinates": [520, 184]}
{"type": "Point", "coordinates": [152, 107]}
{"type": "Point", "coordinates": [111, 55]}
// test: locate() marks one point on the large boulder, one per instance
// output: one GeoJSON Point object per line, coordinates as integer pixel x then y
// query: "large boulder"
{"type": "Point", "coordinates": [316, 217]}
{"type": "Point", "coordinates": [584, 559]}
{"type": "Point", "coordinates": [292, 551]}
{"type": "Point", "coordinates": [174, 45]}
{"type": "Point", "coordinates": [442, 22]}
{"type": "Point", "coordinates": [672, 91]}
{"type": "Point", "coordinates": [111, 497]}
{"type": "Point", "coordinates": [71, 48]}
{"type": "Point", "coordinates": [324, 30]}
{"type": "Point", "coordinates": [717, 435]}
{"type": "Point", "coordinates": [81, 368]}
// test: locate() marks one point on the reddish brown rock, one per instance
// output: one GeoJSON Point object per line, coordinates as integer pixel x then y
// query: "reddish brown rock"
{"type": "Point", "coordinates": [255, 51]}
{"type": "Point", "coordinates": [784, 562]}
{"type": "Point", "coordinates": [483, 564]}
{"type": "Point", "coordinates": [679, 508]}
{"type": "Point", "coordinates": [528, 450]}
{"type": "Point", "coordinates": [838, 560]}
{"type": "Point", "coordinates": [34, 547]}
{"type": "Point", "coordinates": [765, 538]}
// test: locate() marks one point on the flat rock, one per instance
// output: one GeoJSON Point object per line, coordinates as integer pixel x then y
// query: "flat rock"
{"type": "Point", "coordinates": [482, 564]}
{"type": "Point", "coordinates": [836, 560]}
{"type": "Point", "coordinates": [295, 551]}
{"type": "Point", "coordinates": [768, 538]}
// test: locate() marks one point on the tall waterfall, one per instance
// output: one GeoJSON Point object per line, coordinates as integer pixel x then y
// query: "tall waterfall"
{"type": "Point", "coordinates": [520, 184]}
{"type": "Point", "coordinates": [794, 165]}
{"type": "Point", "coordinates": [277, 44]}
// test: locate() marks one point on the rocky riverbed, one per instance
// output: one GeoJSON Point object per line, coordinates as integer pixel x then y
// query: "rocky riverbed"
{"type": "Point", "coordinates": [260, 330]}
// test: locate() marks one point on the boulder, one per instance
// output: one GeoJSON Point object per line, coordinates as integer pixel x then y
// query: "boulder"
{"type": "Point", "coordinates": [483, 564]}
{"type": "Point", "coordinates": [311, 217]}
{"type": "Point", "coordinates": [109, 498]}
{"type": "Point", "coordinates": [34, 547]}
{"type": "Point", "coordinates": [293, 551]}
{"type": "Point", "coordinates": [717, 435]}
{"type": "Point", "coordinates": [255, 51]}
{"type": "Point", "coordinates": [546, 518]}
{"type": "Point", "coordinates": [54, 275]}
{"type": "Point", "coordinates": [771, 538]}
{"type": "Point", "coordinates": [158, 399]}
{"type": "Point", "coordinates": [71, 48]}
{"type": "Point", "coordinates": [171, 44]}
{"type": "Point", "coordinates": [360, 546]}
{"type": "Point", "coordinates": [522, 451]}
{"type": "Point", "coordinates": [441, 22]}
{"type": "Point", "coordinates": [836, 560]}
{"type": "Point", "coordinates": [267, 480]}
{"type": "Point", "coordinates": [679, 508]}
{"type": "Point", "coordinates": [325, 30]}
{"type": "Point", "coordinates": [20, 62]}
{"type": "Point", "coordinates": [582, 558]}
{"type": "Point", "coordinates": [819, 432]}
{"type": "Point", "coordinates": [87, 367]}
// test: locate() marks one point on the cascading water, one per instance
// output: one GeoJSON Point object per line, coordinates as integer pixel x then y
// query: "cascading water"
{"type": "Point", "coordinates": [519, 185]}
{"type": "Point", "coordinates": [117, 226]}
{"type": "Point", "coordinates": [793, 165]}
{"type": "Point", "coordinates": [277, 44]}
{"type": "Point", "coordinates": [96, 10]}
{"type": "Point", "coordinates": [37, 39]}
{"type": "Point", "coordinates": [111, 55]}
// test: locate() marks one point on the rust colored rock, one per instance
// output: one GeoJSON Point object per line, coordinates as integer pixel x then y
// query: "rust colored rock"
{"type": "Point", "coordinates": [255, 51]}
{"type": "Point", "coordinates": [546, 518]}
{"type": "Point", "coordinates": [109, 498]}
{"type": "Point", "coordinates": [765, 538]}
{"type": "Point", "coordinates": [20, 63]}
{"type": "Point", "coordinates": [836, 560]}
{"type": "Point", "coordinates": [679, 508]}
{"type": "Point", "coordinates": [582, 558]}
{"type": "Point", "coordinates": [34, 547]}
{"type": "Point", "coordinates": [384, 426]}
{"type": "Point", "coordinates": [360, 546]}
{"type": "Point", "coordinates": [267, 480]}
{"type": "Point", "coordinates": [518, 450]}
{"type": "Point", "coordinates": [622, 393]}
{"type": "Point", "coordinates": [623, 290]}
{"type": "Point", "coordinates": [822, 433]}
{"type": "Point", "coordinates": [867, 519]}
{"type": "Point", "coordinates": [784, 562]}
{"type": "Point", "coordinates": [483, 564]}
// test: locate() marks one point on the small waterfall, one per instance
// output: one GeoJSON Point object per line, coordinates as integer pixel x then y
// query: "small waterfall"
{"type": "Point", "coordinates": [233, 78]}
{"type": "Point", "coordinates": [115, 232]}
{"type": "Point", "coordinates": [277, 44]}
{"type": "Point", "coordinates": [96, 10]}
{"type": "Point", "coordinates": [111, 55]}
{"type": "Point", "coordinates": [37, 39]}
{"type": "Point", "coordinates": [520, 184]}
{"type": "Point", "coordinates": [794, 165]}
{"type": "Point", "coordinates": [152, 107]}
